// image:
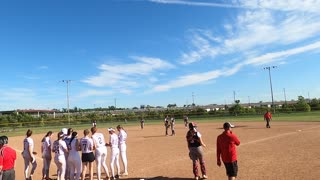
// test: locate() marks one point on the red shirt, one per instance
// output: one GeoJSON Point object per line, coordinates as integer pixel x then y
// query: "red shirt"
{"type": "Point", "coordinates": [226, 147]}
{"type": "Point", "coordinates": [7, 157]}
{"type": "Point", "coordinates": [267, 115]}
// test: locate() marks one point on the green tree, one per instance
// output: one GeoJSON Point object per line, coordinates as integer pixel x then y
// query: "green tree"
{"type": "Point", "coordinates": [302, 105]}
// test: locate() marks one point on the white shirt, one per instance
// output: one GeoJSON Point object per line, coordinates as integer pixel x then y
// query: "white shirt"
{"type": "Point", "coordinates": [59, 147]}
{"type": "Point", "coordinates": [114, 141]}
{"type": "Point", "coordinates": [28, 142]}
{"type": "Point", "coordinates": [122, 136]}
{"type": "Point", "coordinates": [45, 145]}
{"type": "Point", "coordinates": [86, 144]}
{"type": "Point", "coordinates": [98, 138]}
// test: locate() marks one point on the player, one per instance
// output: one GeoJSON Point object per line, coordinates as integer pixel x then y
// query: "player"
{"type": "Point", "coordinates": [267, 117]}
{"type": "Point", "coordinates": [185, 120]}
{"type": "Point", "coordinates": [86, 144]}
{"type": "Point", "coordinates": [114, 144]}
{"type": "Point", "coordinates": [46, 154]}
{"type": "Point", "coordinates": [123, 148]}
{"type": "Point", "coordinates": [100, 152]}
{"type": "Point", "coordinates": [28, 156]}
{"type": "Point", "coordinates": [94, 123]}
{"type": "Point", "coordinates": [60, 148]}
{"type": "Point", "coordinates": [142, 123]}
{"type": "Point", "coordinates": [166, 124]}
{"type": "Point", "coordinates": [8, 157]}
{"type": "Point", "coordinates": [226, 150]}
{"type": "Point", "coordinates": [172, 122]}
{"type": "Point", "coordinates": [67, 138]}
{"type": "Point", "coordinates": [74, 160]}
{"type": "Point", "coordinates": [195, 143]}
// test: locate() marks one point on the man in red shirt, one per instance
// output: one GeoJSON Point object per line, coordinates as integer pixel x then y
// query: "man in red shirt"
{"type": "Point", "coordinates": [8, 157]}
{"type": "Point", "coordinates": [226, 150]}
{"type": "Point", "coordinates": [267, 117]}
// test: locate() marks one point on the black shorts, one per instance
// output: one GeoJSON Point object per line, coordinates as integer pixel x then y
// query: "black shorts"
{"type": "Point", "coordinates": [87, 157]}
{"type": "Point", "coordinates": [232, 169]}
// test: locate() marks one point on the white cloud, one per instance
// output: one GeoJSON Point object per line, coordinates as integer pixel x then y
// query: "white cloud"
{"type": "Point", "coordinates": [127, 75]}
{"type": "Point", "coordinates": [92, 92]}
{"type": "Point", "coordinates": [198, 78]}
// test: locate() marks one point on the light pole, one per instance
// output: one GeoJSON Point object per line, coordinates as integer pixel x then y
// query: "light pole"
{"type": "Point", "coordinates": [269, 69]}
{"type": "Point", "coordinates": [68, 102]}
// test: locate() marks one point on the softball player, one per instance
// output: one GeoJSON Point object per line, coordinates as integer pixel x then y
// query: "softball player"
{"type": "Point", "coordinates": [60, 148]}
{"type": "Point", "coordinates": [67, 138]}
{"type": "Point", "coordinates": [46, 154]}
{"type": "Point", "coordinates": [195, 143]}
{"type": "Point", "coordinates": [28, 155]}
{"type": "Point", "coordinates": [100, 152]}
{"type": "Point", "coordinates": [172, 122]}
{"type": "Point", "coordinates": [74, 160]}
{"type": "Point", "coordinates": [166, 124]}
{"type": "Point", "coordinates": [123, 148]}
{"type": "Point", "coordinates": [114, 144]}
{"type": "Point", "coordinates": [86, 144]}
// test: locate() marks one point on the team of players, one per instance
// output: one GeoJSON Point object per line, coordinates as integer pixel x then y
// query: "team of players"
{"type": "Point", "coordinates": [67, 158]}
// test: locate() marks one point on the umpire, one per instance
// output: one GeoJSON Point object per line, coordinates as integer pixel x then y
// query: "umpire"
{"type": "Point", "coordinates": [8, 157]}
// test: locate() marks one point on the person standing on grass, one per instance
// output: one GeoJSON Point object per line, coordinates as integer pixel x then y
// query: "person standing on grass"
{"type": "Point", "coordinates": [46, 154]}
{"type": "Point", "coordinates": [226, 150]}
{"type": "Point", "coordinates": [195, 143]}
{"type": "Point", "coordinates": [123, 148]}
{"type": "Point", "coordinates": [100, 152]}
{"type": "Point", "coordinates": [86, 144]}
{"type": "Point", "coordinates": [267, 117]}
{"type": "Point", "coordinates": [8, 157]}
{"type": "Point", "coordinates": [28, 156]}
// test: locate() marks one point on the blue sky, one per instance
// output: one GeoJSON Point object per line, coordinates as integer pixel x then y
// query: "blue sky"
{"type": "Point", "coordinates": [156, 52]}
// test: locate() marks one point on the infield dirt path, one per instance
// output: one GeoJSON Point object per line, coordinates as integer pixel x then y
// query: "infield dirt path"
{"type": "Point", "coordinates": [286, 151]}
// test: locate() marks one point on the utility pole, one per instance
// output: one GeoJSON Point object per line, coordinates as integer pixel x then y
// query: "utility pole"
{"type": "Point", "coordinates": [249, 100]}
{"type": "Point", "coordinates": [115, 103]}
{"type": "Point", "coordinates": [285, 96]}
{"type": "Point", "coordinates": [269, 69]}
{"type": "Point", "coordinates": [234, 96]}
{"type": "Point", "coordinates": [68, 101]}
{"type": "Point", "coordinates": [193, 99]}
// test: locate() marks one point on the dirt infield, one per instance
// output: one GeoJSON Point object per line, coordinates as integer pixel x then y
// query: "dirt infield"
{"type": "Point", "coordinates": [288, 150]}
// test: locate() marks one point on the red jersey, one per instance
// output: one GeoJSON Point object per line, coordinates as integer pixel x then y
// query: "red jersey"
{"type": "Point", "coordinates": [8, 157]}
{"type": "Point", "coordinates": [226, 147]}
{"type": "Point", "coordinates": [267, 115]}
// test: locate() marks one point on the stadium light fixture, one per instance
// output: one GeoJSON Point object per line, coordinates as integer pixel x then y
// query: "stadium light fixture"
{"type": "Point", "coordinates": [269, 69]}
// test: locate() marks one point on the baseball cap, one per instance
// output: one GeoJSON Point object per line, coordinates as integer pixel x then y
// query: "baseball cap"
{"type": "Point", "coordinates": [110, 129]}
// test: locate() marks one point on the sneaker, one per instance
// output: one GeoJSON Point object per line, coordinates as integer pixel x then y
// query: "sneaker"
{"type": "Point", "coordinates": [116, 176]}
{"type": "Point", "coordinates": [196, 178]}
{"type": "Point", "coordinates": [205, 177]}
{"type": "Point", "coordinates": [124, 174]}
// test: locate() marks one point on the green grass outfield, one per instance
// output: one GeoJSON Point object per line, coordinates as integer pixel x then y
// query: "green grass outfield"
{"type": "Point", "coordinates": [294, 117]}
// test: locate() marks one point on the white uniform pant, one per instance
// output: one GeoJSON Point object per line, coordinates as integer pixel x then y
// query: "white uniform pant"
{"type": "Point", "coordinates": [74, 164]}
{"type": "Point", "coordinates": [114, 158]}
{"type": "Point", "coordinates": [27, 161]}
{"type": "Point", "coordinates": [46, 164]}
{"type": "Point", "coordinates": [101, 156]}
{"type": "Point", "coordinates": [123, 153]}
{"type": "Point", "coordinates": [60, 161]}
